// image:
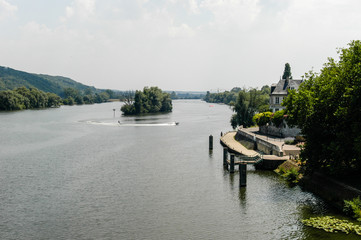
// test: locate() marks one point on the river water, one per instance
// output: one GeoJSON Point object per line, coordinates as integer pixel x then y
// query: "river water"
{"type": "Point", "coordinates": [76, 173]}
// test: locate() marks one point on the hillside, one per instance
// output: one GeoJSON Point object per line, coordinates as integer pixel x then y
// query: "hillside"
{"type": "Point", "coordinates": [11, 78]}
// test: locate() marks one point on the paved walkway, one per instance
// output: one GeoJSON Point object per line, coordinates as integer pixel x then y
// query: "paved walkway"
{"type": "Point", "coordinates": [231, 143]}
{"type": "Point", "coordinates": [280, 142]}
{"type": "Point", "coordinates": [229, 140]}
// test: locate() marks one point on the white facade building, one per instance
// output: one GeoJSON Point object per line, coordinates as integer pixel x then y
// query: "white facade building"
{"type": "Point", "coordinates": [280, 90]}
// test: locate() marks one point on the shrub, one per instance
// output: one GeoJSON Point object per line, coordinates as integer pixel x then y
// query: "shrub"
{"type": "Point", "coordinates": [353, 208]}
{"type": "Point", "coordinates": [262, 118]}
{"type": "Point", "coordinates": [292, 175]}
{"type": "Point", "coordinates": [278, 117]}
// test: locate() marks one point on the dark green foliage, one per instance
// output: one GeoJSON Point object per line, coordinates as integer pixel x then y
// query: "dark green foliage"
{"type": "Point", "coordinates": [151, 100]}
{"type": "Point", "coordinates": [23, 98]}
{"type": "Point", "coordinates": [247, 104]}
{"type": "Point", "coordinates": [353, 208]}
{"type": "Point", "coordinates": [278, 117]}
{"type": "Point", "coordinates": [291, 175]}
{"type": "Point", "coordinates": [74, 96]}
{"type": "Point", "coordinates": [223, 97]}
{"type": "Point", "coordinates": [10, 100]}
{"type": "Point", "coordinates": [327, 108]}
{"type": "Point", "coordinates": [230, 97]}
{"type": "Point", "coordinates": [287, 72]}
{"type": "Point", "coordinates": [53, 100]}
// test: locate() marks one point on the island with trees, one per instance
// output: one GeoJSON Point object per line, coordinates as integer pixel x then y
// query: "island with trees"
{"type": "Point", "coordinates": [150, 100]}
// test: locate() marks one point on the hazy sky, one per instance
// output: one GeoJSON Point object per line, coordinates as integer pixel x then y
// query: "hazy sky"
{"type": "Point", "coordinates": [174, 44]}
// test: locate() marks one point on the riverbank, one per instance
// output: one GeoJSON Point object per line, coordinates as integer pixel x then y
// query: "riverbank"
{"type": "Point", "coordinates": [245, 141]}
{"type": "Point", "coordinates": [331, 190]}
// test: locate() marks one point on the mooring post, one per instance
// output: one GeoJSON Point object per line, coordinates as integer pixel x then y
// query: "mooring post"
{"type": "Point", "coordinates": [210, 142]}
{"type": "Point", "coordinates": [225, 154]}
{"type": "Point", "coordinates": [242, 175]}
{"type": "Point", "coordinates": [231, 167]}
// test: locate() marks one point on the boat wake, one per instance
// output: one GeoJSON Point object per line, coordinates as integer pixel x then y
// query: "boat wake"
{"type": "Point", "coordinates": [147, 124]}
{"type": "Point", "coordinates": [120, 124]}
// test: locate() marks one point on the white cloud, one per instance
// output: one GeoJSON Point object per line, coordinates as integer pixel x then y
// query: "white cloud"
{"type": "Point", "coordinates": [177, 44]}
{"type": "Point", "coordinates": [81, 9]}
{"type": "Point", "coordinates": [322, 15]}
{"type": "Point", "coordinates": [241, 13]}
{"type": "Point", "coordinates": [6, 9]}
{"type": "Point", "coordinates": [193, 6]}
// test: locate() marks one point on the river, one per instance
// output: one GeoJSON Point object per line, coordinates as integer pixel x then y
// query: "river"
{"type": "Point", "coordinates": [76, 173]}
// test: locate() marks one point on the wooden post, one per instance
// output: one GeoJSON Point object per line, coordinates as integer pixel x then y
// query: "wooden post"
{"type": "Point", "coordinates": [225, 154]}
{"type": "Point", "coordinates": [242, 175]}
{"type": "Point", "coordinates": [231, 168]}
{"type": "Point", "coordinates": [210, 142]}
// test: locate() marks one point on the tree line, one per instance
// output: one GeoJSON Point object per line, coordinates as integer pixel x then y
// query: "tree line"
{"type": "Point", "coordinates": [32, 98]}
{"type": "Point", "coordinates": [327, 109]}
{"type": "Point", "coordinates": [230, 97]}
{"type": "Point", "coordinates": [23, 98]}
{"type": "Point", "coordinates": [248, 103]}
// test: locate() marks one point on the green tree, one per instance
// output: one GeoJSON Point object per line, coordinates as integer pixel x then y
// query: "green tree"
{"type": "Point", "coordinates": [110, 93]}
{"type": "Point", "coordinates": [241, 117]}
{"type": "Point", "coordinates": [151, 100]}
{"type": "Point", "coordinates": [287, 72]}
{"type": "Point", "coordinates": [327, 108]}
{"type": "Point", "coordinates": [248, 103]}
{"type": "Point", "coordinates": [88, 99]}
{"type": "Point", "coordinates": [71, 92]}
{"type": "Point", "coordinates": [11, 100]}
{"type": "Point", "coordinates": [26, 94]}
{"type": "Point", "coordinates": [53, 100]}
{"type": "Point", "coordinates": [88, 91]}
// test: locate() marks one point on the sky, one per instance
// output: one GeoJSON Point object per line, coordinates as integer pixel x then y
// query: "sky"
{"type": "Point", "coordinates": [189, 45]}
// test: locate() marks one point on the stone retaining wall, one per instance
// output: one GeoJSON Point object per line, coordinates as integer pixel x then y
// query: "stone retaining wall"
{"type": "Point", "coordinates": [252, 142]}
{"type": "Point", "coordinates": [283, 131]}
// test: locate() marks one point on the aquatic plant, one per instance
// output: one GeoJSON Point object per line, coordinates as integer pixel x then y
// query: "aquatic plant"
{"type": "Point", "coordinates": [332, 224]}
{"type": "Point", "coordinates": [291, 174]}
{"type": "Point", "coordinates": [353, 208]}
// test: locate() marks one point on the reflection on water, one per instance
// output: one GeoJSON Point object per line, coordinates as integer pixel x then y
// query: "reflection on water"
{"type": "Point", "coordinates": [65, 174]}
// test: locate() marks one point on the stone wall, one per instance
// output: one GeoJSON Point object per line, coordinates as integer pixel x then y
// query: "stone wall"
{"type": "Point", "coordinates": [251, 142]}
{"type": "Point", "coordinates": [283, 131]}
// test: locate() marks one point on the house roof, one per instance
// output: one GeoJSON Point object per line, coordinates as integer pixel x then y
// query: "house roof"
{"type": "Point", "coordinates": [284, 84]}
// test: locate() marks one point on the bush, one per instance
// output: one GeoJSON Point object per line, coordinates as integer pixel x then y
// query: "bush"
{"type": "Point", "coordinates": [278, 117]}
{"type": "Point", "coordinates": [262, 118]}
{"type": "Point", "coordinates": [353, 208]}
{"type": "Point", "coordinates": [291, 175]}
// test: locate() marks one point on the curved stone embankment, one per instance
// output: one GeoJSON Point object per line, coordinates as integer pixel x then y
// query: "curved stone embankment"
{"type": "Point", "coordinates": [269, 161]}
{"type": "Point", "coordinates": [229, 141]}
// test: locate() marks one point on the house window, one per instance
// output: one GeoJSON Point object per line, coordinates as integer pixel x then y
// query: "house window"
{"type": "Point", "coordinates": [277, 100]}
